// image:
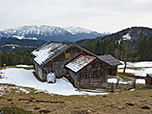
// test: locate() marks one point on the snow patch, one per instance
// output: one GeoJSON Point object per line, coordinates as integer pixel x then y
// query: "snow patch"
{"type": "Point", "coordinates": [4, 89]}
{"type": "Point", "coordinates": [114, 80]}
{"type": "Point", "coordinates": [126, 37]}
{"type": "Point", "coordinates": [25, 78]}
{"type": "Point", "coordinates": [18, 37]}
{"type": "Point", "coordinates": [137, 64]}
{"type": "Point", "coordinates": [24, 65]}
{"type": "Point", "coordinates": [24, 90]}
{"type": "Point", "coordinates": [140, 81]}
{"type": "Point", "coordinates": [23, 37]}
{"type": "Point", "coordinates": [132, 90]}
{"type": "Point", "coordinates": [47, 51]}
{"type": "Point", "coordinates": [144, 68]}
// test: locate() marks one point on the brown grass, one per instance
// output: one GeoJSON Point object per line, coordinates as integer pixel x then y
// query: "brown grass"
{"type": "Point", "coordinates": [124, 77]}
{"type": "Point", "coordinates": [127, 102]}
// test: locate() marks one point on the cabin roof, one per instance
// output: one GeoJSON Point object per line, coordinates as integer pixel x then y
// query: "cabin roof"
{"type": "Point", "coordinates": [48, 50]}
{"type": "Point", "coordinates": [150, 75]}
{"type": "Point", "coordinates": [109, 59]}
{"type": "Point", "coordinates": [79, 62]}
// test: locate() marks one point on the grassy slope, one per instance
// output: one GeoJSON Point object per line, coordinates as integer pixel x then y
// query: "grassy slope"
{"type": "Point", "coordinates": [101, 104]}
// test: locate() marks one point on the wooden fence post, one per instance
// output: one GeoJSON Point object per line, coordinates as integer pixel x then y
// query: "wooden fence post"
{"type": "Point", "coordinates": [134, 83]}
{"type": "Point", "coordinates": [117, 82]}
{"type": "Point", "coordinates": [112, 87]}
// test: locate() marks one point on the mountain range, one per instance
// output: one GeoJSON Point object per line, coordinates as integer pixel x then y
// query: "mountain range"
{"type": "Point", "coordinates": [50, 33]}
{"type": "Point", "coordinates": [34, 36]}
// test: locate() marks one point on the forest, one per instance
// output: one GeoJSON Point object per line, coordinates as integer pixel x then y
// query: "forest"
{"type": "Point", "coordinates": [17, 56]}
{"type": "Point", "coordinates": [140, 50]}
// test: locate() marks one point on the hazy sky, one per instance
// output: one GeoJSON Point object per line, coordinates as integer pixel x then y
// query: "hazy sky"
{"type": "Point", "coordinates": [98, 15]}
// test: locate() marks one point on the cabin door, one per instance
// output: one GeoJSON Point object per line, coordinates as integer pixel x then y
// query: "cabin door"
{"type": "Point", "coordinates": [112, 71]}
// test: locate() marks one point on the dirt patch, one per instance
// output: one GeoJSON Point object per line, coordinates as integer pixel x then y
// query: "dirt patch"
{"type": "Point", "coordinates": [9, 99]}
{"type": "Point", "coordinates": [80, 112]}
{"type": "Point", "coordinates": [130, 104]}
{"type": "Point", "coordinates": [37, 108]}
{"type": "Point", "coordinates": [145, 107]}
{"type": "Point", "coordinates": [44, 111]}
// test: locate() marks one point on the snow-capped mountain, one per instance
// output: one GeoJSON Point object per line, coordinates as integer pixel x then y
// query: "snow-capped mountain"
{"type": "Point", "coordinates": [49, 33]}
{"type": "Point", "coordinates": [76, 30]}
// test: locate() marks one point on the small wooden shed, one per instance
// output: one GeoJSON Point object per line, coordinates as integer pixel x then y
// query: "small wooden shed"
{"type": "Point", "coordinates": [149, 79]}
{"type": "Point", "coordinates": [111, 62]}
{"type": "Point", "coordinates": [87, 70]}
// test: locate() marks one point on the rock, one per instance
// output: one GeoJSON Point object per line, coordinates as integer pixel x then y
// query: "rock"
{"type": "Point", "coordinates": [44, 111]}
{"type": "Point", "coordinates": [145, 107]}
{"type": "Point", "coordinates": [137, 96]}
{"type": "Point", "coordinates": [130, 104]}
{"type": "Point", "coordinates": [37, 108]}
{"type": "Point", "coordinates": [9, 99]}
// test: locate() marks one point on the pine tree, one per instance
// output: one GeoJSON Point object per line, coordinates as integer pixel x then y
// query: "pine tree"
{"type": "Point", "coordinates": [111, 46]}
{"type": "Point", "coordinates": [149, 48]}
{"type": "Point", "coordinates": [142, 48]}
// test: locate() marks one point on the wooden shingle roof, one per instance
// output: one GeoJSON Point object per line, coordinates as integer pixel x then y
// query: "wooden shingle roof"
{"type": "Point", "coordinates": [109, 59]}
{"type": "Point", "coordinates": [79, 62]}
{"type": "Point", "coordinates": [150, 75]}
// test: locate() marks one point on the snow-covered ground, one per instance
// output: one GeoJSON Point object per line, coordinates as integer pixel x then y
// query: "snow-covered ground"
{"type": "Point", "coordinates": [137, 64]}
{"type": "Point", "coordinates": [142, 68]}
{"type": "Point", "coordinates": [5, 88]}
{"type": "Point", "coordinates": [114, 80]}
{"type": "Point", "coordinates": [25, 78]}
{"type": "Point", "coordinates": [138, 81]}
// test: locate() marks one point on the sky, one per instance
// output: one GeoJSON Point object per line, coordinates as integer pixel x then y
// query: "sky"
{"type": "Point", "coordinates": [97, 15]}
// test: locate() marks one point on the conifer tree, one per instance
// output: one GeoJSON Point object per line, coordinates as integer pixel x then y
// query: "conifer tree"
{"type": "Point", "coordinates": [142, 48]}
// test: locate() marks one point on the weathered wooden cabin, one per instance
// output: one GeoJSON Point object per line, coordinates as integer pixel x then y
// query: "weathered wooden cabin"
{"type": "Point", "coordinates": [149, 80]}
{"type": "Point", "coordinates": [52, 56]}
{"type": "Point", "coordinates": [69, 59]}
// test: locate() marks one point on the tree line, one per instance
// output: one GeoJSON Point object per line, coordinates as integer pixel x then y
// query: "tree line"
{"type": "Point", "coordinates": [140, 50]}
{"type": "Point", "coordinates": [18, 56]}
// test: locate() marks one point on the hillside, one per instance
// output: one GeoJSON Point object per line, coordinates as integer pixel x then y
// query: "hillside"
{"type": "Point", "coordinates": [134, 43]}
{"type": "Point", "coordinates": [7, 44]}
{"type": "Point", "coordinates": [131, 34]}
{"type": "Point", "coordinates": [50, 33]}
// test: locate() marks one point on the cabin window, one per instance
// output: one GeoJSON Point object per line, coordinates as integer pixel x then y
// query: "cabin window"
{"type": "Point", "coordinates": [67, 56]}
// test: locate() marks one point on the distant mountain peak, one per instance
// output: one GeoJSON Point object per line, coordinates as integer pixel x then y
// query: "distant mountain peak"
{"type": "Point", "coordinates": [75, 30]}
{"type": "Point", "coordinates": [44, 32]}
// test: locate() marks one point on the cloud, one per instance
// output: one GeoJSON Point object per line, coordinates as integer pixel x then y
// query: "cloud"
{"type": "Point", "coordinates": [100, 15]}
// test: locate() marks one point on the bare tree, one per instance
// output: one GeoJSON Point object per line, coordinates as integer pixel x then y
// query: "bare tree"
{"type": "Point", "coordinates": [126, 49]}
